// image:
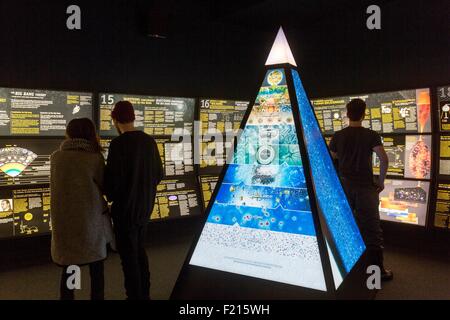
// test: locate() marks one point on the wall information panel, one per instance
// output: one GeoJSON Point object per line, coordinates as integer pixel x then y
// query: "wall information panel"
{"type": "Point", "coordinates": [444, 156]}
{"type": "Point", "coordinates": [177, 157]}
{"type": "Point", "coordinates": [24, 186]}
{"type": "Point", "coordinates": [409, 156]}
{"type": "Point", "coordinates": [207, 184]}
{"type": "Point", "coordinates": [403, 119]}
{"type": "Point", "coordinates": [406, 111]}
{"type": "Point", "coordinates": [154, 115]}
{"type": "Point", "coordinates": [24, 212]}
{"type": "Point", "coordinates": [32, 126]}
{"type": "Point", "coordinates": [443, 100]}
{"type": "Point", "coordinates": [170, 121]}
{"type": "Point", "coordinates": [442, 217]}
{"type": "Point", "coordinates": [395, 149]}
{"type": "Point", "coordinates": [218, 118]}
{"type": "Point", "coordinates": [176, 198]}
{"type": "Point", "coordinates": [29, 112]}
{"type": "Point", "coordinates": [405, 201]}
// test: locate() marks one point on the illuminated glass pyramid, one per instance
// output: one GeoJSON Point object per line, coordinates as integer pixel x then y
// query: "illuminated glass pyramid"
{"type": "Point", "coordinates": [279, 212]}
{"type": "Point", "coordinates": [13, 160]}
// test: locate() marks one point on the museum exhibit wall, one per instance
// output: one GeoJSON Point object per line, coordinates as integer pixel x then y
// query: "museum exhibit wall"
{"type": "Point", "coordinates": [33, 121]}
{"type": "Point", "coordinates": [215, 62]}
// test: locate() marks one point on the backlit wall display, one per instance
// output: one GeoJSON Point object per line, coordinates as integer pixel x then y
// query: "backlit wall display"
{"type": "Point", "coordinates": [409, 156]}
{"type": "Point", "coordinates": [30, 112]}
{"type": "Point", "coordinates": [207, 185]}
{"type": "Point", "coordinates": [24, 212]}
{"type": "Point", "coordinates": [406, 111]}
{"type": "Point", "coordinates": [176, 157]}
{"type": "Point", "coordinates": [218, 117]}
{"type": "Point", "coordinates": [442, 216]}
{"type": "Point", "coordinates": [395, 149]}
{"type": "Point", "coordinates": [176, 198]}
{"type": "Point", "coordinates": [442, 211]}
{"type": "Point", "coordinates": [404, 201]}
{"type": "Point", "coordinates": [25, 162]}
{"type": "Point", "coordinates": [443, 98]}
{"type": "Point", "coordinates": [261, 223]}
{"type": "Point", "coordinates": [157, 116]}
{"type": "Point", "coordinates": [444, 155]}
{"type": "Point", "coordinates": [418, 157]}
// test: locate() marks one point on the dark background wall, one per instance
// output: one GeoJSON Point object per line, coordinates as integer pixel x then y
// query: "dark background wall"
{"type": "Point", "coordinates": [218, 48]}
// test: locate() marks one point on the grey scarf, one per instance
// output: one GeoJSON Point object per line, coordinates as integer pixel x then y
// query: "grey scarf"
{"type": "Point", "coordinates": [78, 145]}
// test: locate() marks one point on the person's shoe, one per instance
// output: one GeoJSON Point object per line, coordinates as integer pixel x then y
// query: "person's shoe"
{"type": "Point", "coordinates": [387, 275]}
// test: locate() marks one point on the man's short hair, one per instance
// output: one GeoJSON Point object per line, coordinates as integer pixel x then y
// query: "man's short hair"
{"type": "Point", "coordinates": [123, 112]}
{"type": "Point", "coordinates": [356, 109]}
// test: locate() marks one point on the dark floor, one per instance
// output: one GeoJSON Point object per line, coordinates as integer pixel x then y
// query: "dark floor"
{"type": "Point", "coordinates": [418, 275]}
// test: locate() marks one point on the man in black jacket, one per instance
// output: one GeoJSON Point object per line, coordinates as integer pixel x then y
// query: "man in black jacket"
{"type": "Point", "coordinates": [133, 171]}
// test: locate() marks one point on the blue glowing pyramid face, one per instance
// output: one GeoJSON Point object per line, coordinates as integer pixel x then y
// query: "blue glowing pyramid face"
{"type": "Point", "coordinates": [345, 235]}
{"type": "Point", "coordinates": [260, 223]}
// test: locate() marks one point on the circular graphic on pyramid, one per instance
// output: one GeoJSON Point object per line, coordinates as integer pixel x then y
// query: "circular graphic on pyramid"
{"type": "Point", "coordinates": [265, 155]}
{"type": "Point", "coordinates": [13, 160]}
{"type": "Point", "coordinates": [275, 77]}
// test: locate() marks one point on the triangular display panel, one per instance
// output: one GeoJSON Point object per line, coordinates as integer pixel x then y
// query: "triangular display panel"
{"type": "Point", "coordinates": [278, 223]}
{"type": "Point", "coordinates": [342, 230]}
{"type": "Point", "coordinates": [260, 223]}
{"type": "Point", "coordinates": [281, 52]}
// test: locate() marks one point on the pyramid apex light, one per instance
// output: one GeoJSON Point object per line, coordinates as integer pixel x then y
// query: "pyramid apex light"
{"type": "Point", "coordinates": [280, 52]}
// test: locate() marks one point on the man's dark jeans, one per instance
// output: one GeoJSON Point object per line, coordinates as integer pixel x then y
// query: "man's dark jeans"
{"type": "Point", "coordinates": [130, 245]}
{"type": "Point", "coordinates": [364, 200]}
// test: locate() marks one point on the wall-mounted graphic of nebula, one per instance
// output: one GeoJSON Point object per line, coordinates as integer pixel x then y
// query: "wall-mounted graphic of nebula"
{"type": "Point", "coordinates": [13, 160]}
{"type": "Point", "coordinates": [416, 194]}
{"type": "Point", "coordinates": [420, 160]}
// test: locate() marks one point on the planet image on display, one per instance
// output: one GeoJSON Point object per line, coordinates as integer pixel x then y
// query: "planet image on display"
{"type": "Point", "coordinates": [275, 77]}
{"type": "Point", "coordinates": [13, 160]}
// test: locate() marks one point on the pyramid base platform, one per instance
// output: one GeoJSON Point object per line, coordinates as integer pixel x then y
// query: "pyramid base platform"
{"type": "Point", "coordinates": [195, 283]}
